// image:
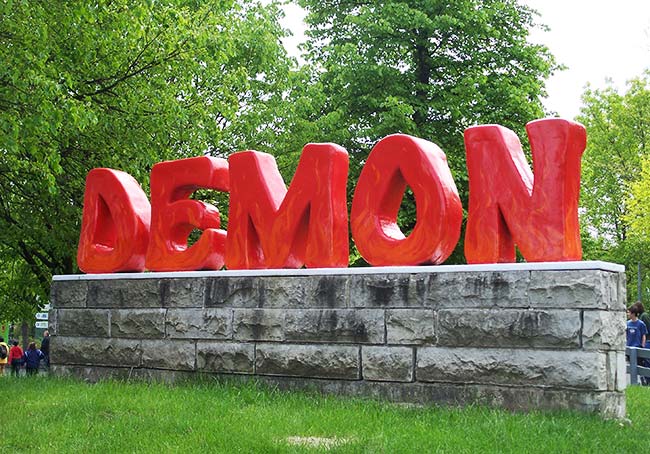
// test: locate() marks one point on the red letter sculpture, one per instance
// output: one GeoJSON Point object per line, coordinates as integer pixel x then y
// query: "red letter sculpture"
{"type": "Point", "coordinates": [508, 206]}
{"type": "Point", "coordinates": [270, 227]}
{"type": "Point", "coordinates": [115, 223]}
{"type": "Point", "coordinates": [174, 216]}
{"type": "Point", "coordinates": [395, 162]}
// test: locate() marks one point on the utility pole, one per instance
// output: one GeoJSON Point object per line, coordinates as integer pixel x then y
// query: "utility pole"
{"type": "Point", "coordinates": [638, 281]}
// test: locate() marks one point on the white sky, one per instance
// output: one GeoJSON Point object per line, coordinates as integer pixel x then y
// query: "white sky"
{"type": "Point", "coordinates": [595, 39]}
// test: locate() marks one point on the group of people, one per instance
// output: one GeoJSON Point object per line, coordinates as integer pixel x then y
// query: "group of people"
{"type": "Point", "coordinates": [30, 359]}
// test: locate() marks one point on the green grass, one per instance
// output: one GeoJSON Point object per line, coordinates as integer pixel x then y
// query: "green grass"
{"type": "Point", "coordinates": [41, 414]}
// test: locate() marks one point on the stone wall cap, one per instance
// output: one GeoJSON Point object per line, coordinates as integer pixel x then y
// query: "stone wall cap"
{"type": "Point", "coordinates": [488, 267]}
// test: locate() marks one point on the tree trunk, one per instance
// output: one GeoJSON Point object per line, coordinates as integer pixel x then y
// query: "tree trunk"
{"type": "Point", "coordinates": [24, 333]}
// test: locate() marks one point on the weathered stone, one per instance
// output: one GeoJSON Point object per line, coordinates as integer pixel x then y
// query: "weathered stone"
{"type": "Point", "coordinates": [365, 326]}
{"type": "Point", "coordinates": [578, 289]}
{"type": "Point", "coordinates": [67, 294]}
{"type": "Point", "coordinates": [132, 293]}
{"type": "Point", "coordinates": [199, 323]}
{"type": "Point", "coordinates": [410, 326]}
{"type": "Point", "coordinates": [283, 291]}
{"type": "Point", "coordinates": [603, 330]}
{"type": "Point", "coordinates": [317, 361]}
{"type": "Point", "coordinates": [513, 367]}
{"type": "Point", "coordinates": [326, 291]}
{"type": "Point", "coordinates": [237, 358]}
{"type": "Point", "coordinates": [83, 322]}
{"type": "Point", "coordinates": [508, 328]}
{"type": "Point", "coordinates": [95, 351]}
{"type": "Point", "coordinates": [233, 292]}
{"type": "Point", "coordinates": [387, 363]}
{"type": "Point", "coordinates": [483, 289]}
{"type": "Point", "coordinates": [169, 354]}
{"type": "Point", "coordinates": [138, 323]}
{"type": "Point", "coordinates": [258, 324]}
{"type": "Point", "coordinates": [53, 321]}
{"type": "Point", "coordinates": [183, 292]}
{"type": "Point", "coordinates": [385, 290]}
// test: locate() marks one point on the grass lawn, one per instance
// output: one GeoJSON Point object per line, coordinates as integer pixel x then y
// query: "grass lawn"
{"type": "Point", "coordinates": [42, 414]}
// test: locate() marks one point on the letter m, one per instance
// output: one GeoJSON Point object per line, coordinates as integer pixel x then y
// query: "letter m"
{"type": "Point", "coordinates": [270, 227]}
{"type": "Point", "coordinates": [507, 206]}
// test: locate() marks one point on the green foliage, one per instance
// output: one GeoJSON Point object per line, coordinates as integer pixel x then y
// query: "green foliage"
{"type": "Point", "coordinates": [614, 204]}
{"type": "Point", "coordinates": [428, 68]}
{"type": "Point", "coordinates": [117, 84]}
{"type": "Point", "coordinates": [112, 417]}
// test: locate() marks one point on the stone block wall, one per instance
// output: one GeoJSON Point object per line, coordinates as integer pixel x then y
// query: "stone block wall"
{"type": "Point", "coordinates": [520, 339]}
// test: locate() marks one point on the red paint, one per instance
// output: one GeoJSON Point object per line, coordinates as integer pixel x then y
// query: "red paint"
{"type": "Point", "coordinates": [395, 162]}
{"type": "Point", "coordinates": [272, 227]}
{"type": "Point", "coordinates": [174, 215]}
{"type": "Point", "coordinates": [507, 206]}
{"type": "Point", "coordinates": [115, 223]}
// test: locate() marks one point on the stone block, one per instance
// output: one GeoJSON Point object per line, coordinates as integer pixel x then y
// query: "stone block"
{"type": "Point", "coordinates": [364, 326]}
{"type": "Point", "coordinates": [138, 323]}
{"type": "Point", "coordinates": [83, 322]}
{"type": "Point", "coordinates": [232, 292]}
{"type": "Point", "coordinates": [315, 361]}
{"type": "Point", "coordinates": [478, 289]}
{"type": "Point", "coordinates": [380, 363]}
{"type": "Point", "coordinates": [577, 289]}
{"type": "Point", "coordinates": [68, 294]}
{"type": "Point", "coordinates": [169, 354]}
{"type": "Point", "coordinates": [210, 323]}
{"type": "Point", "coordinates": [221, 357]}
{"type": "Point", "coordinates": [410, 326]}
{"type": "Point", "coordinates": [509, 328]}
{"type": "Point", "coordinates": [95, 351]}
{"type": "Point", "coordinates": [514, 367]}
{"type": "Point", "coordinates": [258, 324]}
{"type": "Point", "coordinates": [128, 293]}
{"type": "Point", "coordinates": [603, 330]}
{"type": "Point", "coordinates": [326, 292]}
{"type": "Point", "coordinates": [283, 291]}
{"type": "Point", "coordinates": [385, 291]}
{"type": "Point", "coordinates": [183, 292]}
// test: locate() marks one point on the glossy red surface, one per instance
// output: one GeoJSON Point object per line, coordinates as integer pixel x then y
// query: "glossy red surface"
{"type": "Point", "coordinates": [507, 206]}
{"type": "Point", "coordinates": [174, 215]}
{"type": "Point", "coordinates": [270, 227]}
{"type": "Point", "coordinates": [115, 223]}
{"type": "Point", "coordinates": [395, 162]}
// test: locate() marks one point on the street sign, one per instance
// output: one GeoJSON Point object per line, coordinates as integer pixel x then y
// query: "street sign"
{"type": "Point", "coordinates": [42, 325]}
{"type": "Point", "coordinates": [41, 316]}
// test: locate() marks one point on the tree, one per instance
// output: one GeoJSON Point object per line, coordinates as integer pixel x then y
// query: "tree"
{"type": "Point", "coordinates": [613, 215]}
{"type": "Point", "coordinates": [116, 84]}
{"type": "Point", "coordinates": [428, 68]}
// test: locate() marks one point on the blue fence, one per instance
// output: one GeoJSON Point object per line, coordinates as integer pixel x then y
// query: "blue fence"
{"type": "Point", "coordinates": [633, 367]}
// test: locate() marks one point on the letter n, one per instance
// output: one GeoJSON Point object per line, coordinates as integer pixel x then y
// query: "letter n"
{"type": "Point", "coordinates": [270, 227]}
{"type": "Point", "coordinates": [115, 223]}
{"type": "Point", "coordinates": [507, 205]}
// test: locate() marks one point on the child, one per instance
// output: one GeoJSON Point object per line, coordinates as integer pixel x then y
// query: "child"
{"type": "Point", "coordinates": [33, 357]}
{"type": "Point", "coordinates": [636, 330]}
{"type": "Point", "coordinates": [15, 358]}
{"type": "Point", "coordinates": [4, 355]}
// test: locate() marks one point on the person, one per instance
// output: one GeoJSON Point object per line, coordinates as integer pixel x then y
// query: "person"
{"type": "Point", "coordinates": [635, 331]}
{"type": "Point", "coordinates": [32, 358]}
{"type": "Point", "coordinates": [45, 347]}
{"type": "Point", "coordinates": [645, 318]}
{"type": "Point", "coordinates": [4, 355]}
{"type": "Point", "coordinates": [15, 358]}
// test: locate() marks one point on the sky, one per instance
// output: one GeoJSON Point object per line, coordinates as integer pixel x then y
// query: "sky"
{"type": "Point", "coordinates": [595, 39]}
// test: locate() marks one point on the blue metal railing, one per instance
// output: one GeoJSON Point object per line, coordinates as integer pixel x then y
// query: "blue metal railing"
{"type": "Point", "coordinates": [633, 368]}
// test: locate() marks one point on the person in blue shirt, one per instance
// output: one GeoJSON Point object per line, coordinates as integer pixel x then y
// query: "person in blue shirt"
{"type": "Point", "coordinates": [32, 359]}
{"type": "Point", "coordinates": [636, 331]}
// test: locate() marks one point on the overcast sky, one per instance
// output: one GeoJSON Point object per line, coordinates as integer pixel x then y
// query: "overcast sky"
{"type": "Point", "coordinates": [595, 39]}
